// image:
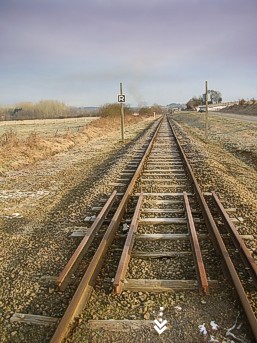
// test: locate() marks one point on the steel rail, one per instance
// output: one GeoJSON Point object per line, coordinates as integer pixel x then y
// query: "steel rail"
{"type": "Point", "coordinates": [238, 241]}
{"type": "Point", "coordinates": [118, 283]}
{"type": "Point", "coordinates": [218, 242]}
{"type": "Point", "coordinates": [85, 287]}
{"type": "Point", "coordinates": [200, 269]}
{"type": "Point", "coordinates": [126, 253]}
{"type": "Point", "coordinates": [64, 277]}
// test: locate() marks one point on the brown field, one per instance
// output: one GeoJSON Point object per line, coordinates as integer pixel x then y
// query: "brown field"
{"type": "Point", "coordinates": [44, 127]}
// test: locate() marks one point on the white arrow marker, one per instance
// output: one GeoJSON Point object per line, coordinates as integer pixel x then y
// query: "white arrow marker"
{"type": "Point", "coordinates": [160, 327]}
{"type": "Point", "coordinates": [160, 324]}
{"type": "Point", "coordinates": [160, 331]}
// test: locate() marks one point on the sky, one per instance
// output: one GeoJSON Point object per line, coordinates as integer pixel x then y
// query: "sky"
{"type": "Point", "coordinates": [162, 51]}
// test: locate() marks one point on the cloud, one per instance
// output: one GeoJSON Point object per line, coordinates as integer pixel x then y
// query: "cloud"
{"type": "Point", "coordinates": [154, 47]}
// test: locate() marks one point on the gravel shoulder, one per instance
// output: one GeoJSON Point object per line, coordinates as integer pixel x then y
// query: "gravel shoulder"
{"type": "Point", "coordinates": [40, 206]}
{"type": "Point", "coordinates": [226, 164]}
{"type": "Point", "coordinates": [237, 137]}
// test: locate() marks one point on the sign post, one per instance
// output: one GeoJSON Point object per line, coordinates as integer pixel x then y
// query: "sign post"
{"type": "Point", "coordinates": [121, 99]}
{"type": "Point", "coordinates": [206, 113]}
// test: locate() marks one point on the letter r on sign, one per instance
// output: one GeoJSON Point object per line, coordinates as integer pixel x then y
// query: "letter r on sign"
{"type": "Point", "coordinates": [121, 98]}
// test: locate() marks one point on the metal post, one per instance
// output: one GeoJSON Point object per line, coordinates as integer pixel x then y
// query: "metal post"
{"type": "Point", "coordinates": [122, 116]}
{"type": "Point", "coordinates": [206, 113]}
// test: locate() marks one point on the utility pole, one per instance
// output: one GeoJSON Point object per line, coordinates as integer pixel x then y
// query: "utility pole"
{"type": "Point", "coordinates": [206, 113]}
{"type": "Point", "coordinates": [122, 113]}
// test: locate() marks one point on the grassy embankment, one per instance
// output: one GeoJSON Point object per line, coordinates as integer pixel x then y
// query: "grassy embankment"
{"type": "Point", "coordinates": [17, 150]}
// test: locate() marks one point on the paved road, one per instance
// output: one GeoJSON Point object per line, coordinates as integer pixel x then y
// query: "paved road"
{"type": "Point", "coordinates": [241, 117]}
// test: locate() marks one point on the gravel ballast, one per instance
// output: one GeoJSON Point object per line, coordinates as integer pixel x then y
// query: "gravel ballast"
{"type": "Point", "coordinates": [40, 206]}
{"type": "Point", "coordinates": [43, 203]}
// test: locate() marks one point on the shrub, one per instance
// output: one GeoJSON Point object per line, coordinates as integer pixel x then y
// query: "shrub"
{"type": "Point", "coordinates": [112, 110]}
{"type": "Point", "coordinates": [242, 101]}
{"type": "Point", "coordinates": [9, 138]}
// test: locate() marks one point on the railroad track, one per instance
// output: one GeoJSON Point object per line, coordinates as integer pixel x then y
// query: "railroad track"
{"type": "Point", "coordinates": [162, 221]}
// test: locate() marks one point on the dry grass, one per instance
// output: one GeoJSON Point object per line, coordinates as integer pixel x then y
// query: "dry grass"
{"type": "Point", "coordinates": [104, 125]}
{"type": "Point", "coordinates": [45, 127]}
{"type": "Point", "coordinates": [247, 108]}
{"type": "Point", "coordinates": [17, 151]}
{"type": "Point", "coordinates": [9, 139]}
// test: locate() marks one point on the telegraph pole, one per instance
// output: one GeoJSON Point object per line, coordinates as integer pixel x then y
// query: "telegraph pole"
{"type": "Point", "coordinates": [206, 113]}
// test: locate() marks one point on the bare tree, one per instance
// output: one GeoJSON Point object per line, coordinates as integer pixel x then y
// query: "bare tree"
{"type": "Point", "coordinates": [215, 96]}
{"type": "Point", "coordinates": [157, 109]}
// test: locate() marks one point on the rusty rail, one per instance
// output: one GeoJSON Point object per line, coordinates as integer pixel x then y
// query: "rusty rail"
{"type": "Point", "coordinates": [85, 287]}
{"type": "Point", "coordinates": [125, 257]}
{"type": "Point", "coordinates": [218, 242]}
{"type": "Point", "coordinates": [238, 241]}
{"type": "Point", "coordinates": [200, 269]}
{"type": "Point", "coordinates": [64, 277]}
